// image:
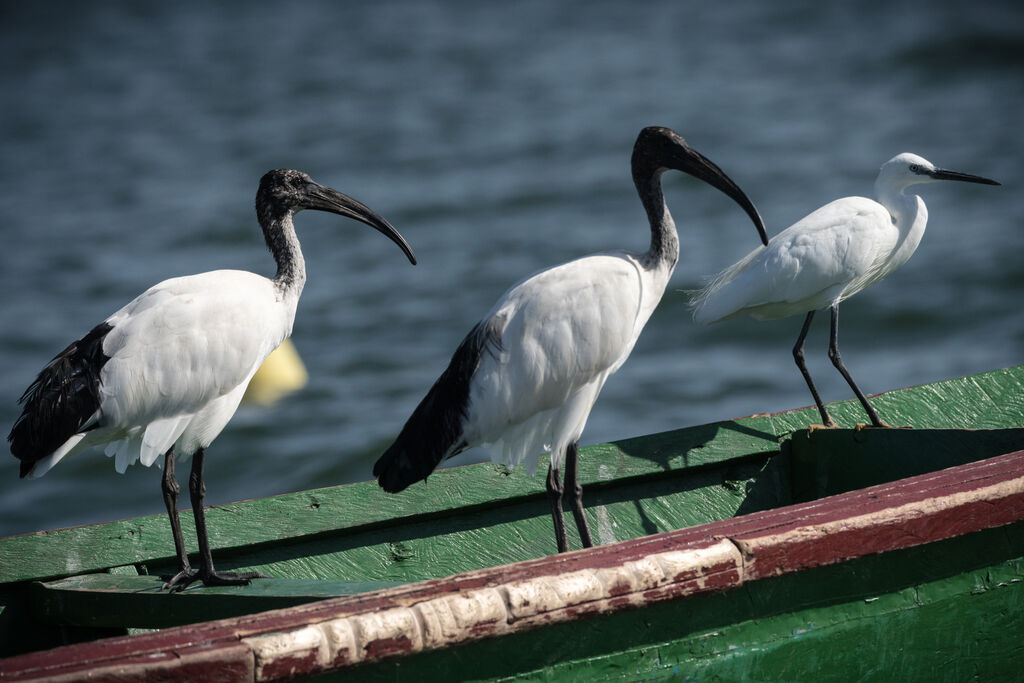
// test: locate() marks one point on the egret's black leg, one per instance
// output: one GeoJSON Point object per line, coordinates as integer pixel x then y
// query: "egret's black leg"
{"type": "Point", "coordinates": [576, 493]}
{"type": "Point", "coordinates": [833, 354]}
{"type": "Point", "coordinates": [170, 488]}
{"type": "Point", "coordinates": [798, 356]}
{"type": "Point", "coordinates": [554, 486]}
{"type": "Point", "coordinates": [206, 572]}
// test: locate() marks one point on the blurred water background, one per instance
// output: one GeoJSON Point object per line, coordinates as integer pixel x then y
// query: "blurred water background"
{"type": "Point", "coordinates": [496, 137]}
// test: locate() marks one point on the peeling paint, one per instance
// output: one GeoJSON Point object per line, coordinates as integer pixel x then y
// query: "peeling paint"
{"type": "Point", "coordinates": [605, 527]}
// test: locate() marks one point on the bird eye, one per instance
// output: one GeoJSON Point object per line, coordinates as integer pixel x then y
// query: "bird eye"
{"type": "Point", "coordinates": [915, 168]}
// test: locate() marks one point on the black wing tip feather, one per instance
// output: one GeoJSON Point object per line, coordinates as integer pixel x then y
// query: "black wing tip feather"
{"type": "Point", "coordinates": [434, 430]}
{"type": "Point", "coordinates": [62, 398]}
{"type": "Point", "coordinates": [393, 473]}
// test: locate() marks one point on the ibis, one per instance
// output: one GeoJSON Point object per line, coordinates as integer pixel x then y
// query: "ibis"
{"type": "Point", "coordinates": [164, 375]}
{"type": "Point", "coordinates": [827, 257]}
{"type": "Point", "coordinates": [524, 379]}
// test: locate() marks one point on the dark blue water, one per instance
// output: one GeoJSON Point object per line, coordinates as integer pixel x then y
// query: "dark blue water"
{"type": "Point", "coordinates": [496, 137]}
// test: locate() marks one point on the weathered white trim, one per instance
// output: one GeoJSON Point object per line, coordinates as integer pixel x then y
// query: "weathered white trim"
{"type": "Point", "coordinates": [517, 605]}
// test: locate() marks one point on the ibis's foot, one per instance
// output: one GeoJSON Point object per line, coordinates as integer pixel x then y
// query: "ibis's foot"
{"type": "Point", "coordinates": [188, 576]}
{"type": "Point", "coordinates": [828, 425]}
{"type": "Point", "coordinates": [181, 579]}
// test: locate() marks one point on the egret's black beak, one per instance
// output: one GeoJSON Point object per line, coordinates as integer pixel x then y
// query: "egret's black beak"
{"type": "Point", "coordinates": [943, 174]}
{"type": "Point", "coordinates": [325, 199]}
{"type": "Point", "coordinates": [696, 164]}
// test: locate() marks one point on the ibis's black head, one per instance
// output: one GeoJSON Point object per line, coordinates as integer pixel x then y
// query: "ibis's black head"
{"type": "Point", "coordinates": [658, 149]}
{"type": "Point", "coordinates": [283, 192]}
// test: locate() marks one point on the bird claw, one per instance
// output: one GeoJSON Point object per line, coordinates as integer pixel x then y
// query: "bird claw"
{"type": "Point", "coordinates": [188, 576]}
{"type": "Point", "coordinates": [179, 581]}
{"type": "Point", "coordinates": [815, 427]}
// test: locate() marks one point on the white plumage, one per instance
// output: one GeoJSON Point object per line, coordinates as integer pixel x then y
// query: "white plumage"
{"type": "Point", "coordinates": [177, 357]}
{"type": "Point", "coordinates": [165, 374]}
{"type": "Point", "coordinates": [827, 257]}
{"type": "Point", "coordinates": [526, 377]}
{"type": "Point", "coordinates": [563, 332]}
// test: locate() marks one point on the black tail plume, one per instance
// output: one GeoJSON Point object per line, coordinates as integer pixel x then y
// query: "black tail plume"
{"type": "Point", "coordinates": [61, 399]}
{"type": "Point", "coordinates": [434, 431]}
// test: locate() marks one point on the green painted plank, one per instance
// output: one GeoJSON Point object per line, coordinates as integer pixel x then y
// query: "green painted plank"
{"type": "Point", "coordinates": [991, 400]}
{"type": "Point", "coordinates": [308, 515]}
{"type": "Point", "coordinates": [423, 548]}
{"type": "Point", "coordinates": [969, 631]}
{"type": "Point", "coordinates": [119, 601]}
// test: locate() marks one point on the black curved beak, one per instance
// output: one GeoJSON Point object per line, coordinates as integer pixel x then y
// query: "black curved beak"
{"type": "Point", "coordinates": [325, 199]}
{"type": "Point", "coordinates": [699, 166]}
{"type": "Point", "coordinates": [943, 174]}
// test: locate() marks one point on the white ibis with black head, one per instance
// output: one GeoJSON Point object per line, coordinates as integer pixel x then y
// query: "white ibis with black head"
{"type": "Point", "coordinates": [165, 374]}
{"type": "Point", "coordinates": [525, 378]}
{"type": "Point", "coordinates": [827, 257]}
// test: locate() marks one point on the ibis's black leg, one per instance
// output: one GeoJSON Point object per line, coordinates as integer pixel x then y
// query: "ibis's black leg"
{"type": "Point", "coordinates": [197, 491]}
{"type": "Point", "coordinates": [206, 572]}
{"type": "Point", "coordinates": [554, 486]}
{"type": "Point", "coordinates": [576, 493]}
{"type": "Point", "coordinates": [833, 354]}
{"type": "Point", "coordinates": [170, 488]}
{"type": "Point", "coordinates": [798, 356]}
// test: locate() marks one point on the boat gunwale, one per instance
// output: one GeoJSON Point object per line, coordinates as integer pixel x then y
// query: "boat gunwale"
{"type": "Point", "coordinates": [717, 556]}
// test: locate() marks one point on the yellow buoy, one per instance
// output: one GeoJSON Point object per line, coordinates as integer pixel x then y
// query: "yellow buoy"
{"type": "Point", "coordinates": [282, 373]}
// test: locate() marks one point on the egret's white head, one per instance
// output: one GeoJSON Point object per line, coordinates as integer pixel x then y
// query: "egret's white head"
{"type": "Point", "coordinates": [910, 169]}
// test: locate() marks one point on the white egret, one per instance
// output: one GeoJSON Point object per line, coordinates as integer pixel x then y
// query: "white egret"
{"type": "Point", "coordinates": [525, 378]}
{"type": "Point", "coordinates": [165, 374]}
{"type": "Point", "coordinates": [827, 257]}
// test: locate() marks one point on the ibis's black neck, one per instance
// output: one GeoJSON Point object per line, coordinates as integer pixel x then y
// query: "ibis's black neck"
{"type": "Point", "coordinates": [279, 232]}
{"type": "Point", "coordinates": [664, 249]}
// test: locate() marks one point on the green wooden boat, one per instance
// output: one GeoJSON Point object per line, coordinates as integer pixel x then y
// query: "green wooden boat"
{"type": "Point", "coordinates": [753, 549]}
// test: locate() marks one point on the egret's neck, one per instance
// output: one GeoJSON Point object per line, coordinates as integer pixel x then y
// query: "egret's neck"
{"type": "Point", "coordinates": [664, 251]}
{"type": "Point", "coordinates": [909, 215]}
{"type": "Point", "coordinates": [283, 243]}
